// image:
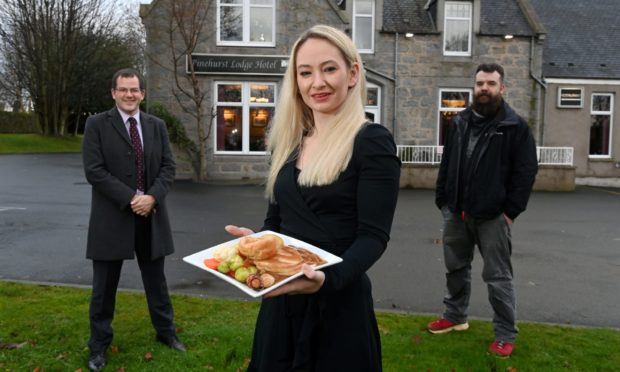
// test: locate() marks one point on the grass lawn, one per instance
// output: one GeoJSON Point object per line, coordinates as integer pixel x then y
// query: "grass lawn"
{"type": "Point", "coordinates": [36, 143]}
{"type": "Point", "coordinates": [45, 328]}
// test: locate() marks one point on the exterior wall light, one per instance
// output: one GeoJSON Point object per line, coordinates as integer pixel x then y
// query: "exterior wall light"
{"type": "Point", "coordinates": [409, 35]}
{"type": "Point", "coordinates": [508, 37]}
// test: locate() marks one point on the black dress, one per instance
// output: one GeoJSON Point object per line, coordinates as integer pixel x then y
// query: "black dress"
{"type": "Point", "coordinates": [334, 329]}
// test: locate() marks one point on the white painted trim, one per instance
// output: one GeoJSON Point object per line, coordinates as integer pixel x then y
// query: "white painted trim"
{"type": "Point", "coordinates": [609, 113]}
{"type": "Point", "coordinates": [440, 109]}
{"type": "Point", "coordinates": [582, 81]}
{"type": "Point", "coordinates": [469, 35]}
{"type": "Point", "coordinates": [246, 7]}
{"type": "Point", "coordinates": [372, 22]}
{"type": "Point", "coordinates": [559, 103]}
{"type": "Point", "coordinates": [245, 105]}
{"type": "Point", "coordinates": [376, 109]}
{"type": "Point", "coordinates": [415, 154]}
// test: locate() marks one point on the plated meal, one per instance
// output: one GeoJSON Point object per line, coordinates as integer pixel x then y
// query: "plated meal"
{"type": "Point", "coordinates": [261, 262]}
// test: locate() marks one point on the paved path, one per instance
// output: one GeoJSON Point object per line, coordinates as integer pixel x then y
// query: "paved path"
{"type": "Point", "coordinates": [566, 246]}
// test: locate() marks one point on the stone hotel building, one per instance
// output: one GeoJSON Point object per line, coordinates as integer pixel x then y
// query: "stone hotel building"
{"type": "Point", "coordinates": [419, 57]}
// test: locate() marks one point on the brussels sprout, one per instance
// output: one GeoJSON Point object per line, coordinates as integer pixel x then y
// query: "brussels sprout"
{"type": "Point", "coordinates": [223, 267]}
{"type": "Point", "coordinates": [235, 262]}
{"type": "Point", "coordinates": [241, 274]}
{"type": "Point", "coordinates": [252, 269]}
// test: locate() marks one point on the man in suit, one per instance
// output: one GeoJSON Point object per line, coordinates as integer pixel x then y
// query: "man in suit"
{"type": "Point", "coordinates": [128, 162]}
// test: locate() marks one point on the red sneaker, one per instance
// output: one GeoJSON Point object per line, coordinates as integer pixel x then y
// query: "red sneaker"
{"type": "Point", "coordinates": [501, 348]}
{"type": "Point", "coordinates": [444, 325]}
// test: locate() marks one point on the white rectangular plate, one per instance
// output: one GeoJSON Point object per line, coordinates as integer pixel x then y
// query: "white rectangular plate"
{"type": "Point", "coordinates": [197, 259]}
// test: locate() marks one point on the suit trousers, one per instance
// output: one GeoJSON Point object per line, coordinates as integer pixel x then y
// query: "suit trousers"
{"type": "Point", "coordinates": [493, 238]}
{"type": "Point", "coordinates": [106, 275]}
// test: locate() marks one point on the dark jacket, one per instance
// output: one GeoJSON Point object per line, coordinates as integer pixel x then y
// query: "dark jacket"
{"type": "Point", "coordinates": [110, 168]}
{"type": "Point", "coordinates": [502, 172]}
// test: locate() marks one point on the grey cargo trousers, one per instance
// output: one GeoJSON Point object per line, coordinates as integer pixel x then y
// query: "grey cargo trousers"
{"type": "Point", "coordinates": [493, 239]}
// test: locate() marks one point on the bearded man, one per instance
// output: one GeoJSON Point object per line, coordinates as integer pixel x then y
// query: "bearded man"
{"type": "Point", "coordinates": [485, 179]}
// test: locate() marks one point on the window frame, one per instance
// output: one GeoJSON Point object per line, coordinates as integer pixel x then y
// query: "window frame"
{"type": "Point", "coordinates": [372, 33]}
{"type": "Point", "coordinates": [245, 105]}
{"type": "Point", "coordinates": [441, 109]}
{"type": "Point", "coordinates": [609, 113]}
{"type": "Point", "coordinates": [470, 29]}
{"type": "Point", "coordinates": [246, 27]}
{"type": "Point", "coordinates": [374, 109]}
{"type": "Point", "coordinates": [559, 103]}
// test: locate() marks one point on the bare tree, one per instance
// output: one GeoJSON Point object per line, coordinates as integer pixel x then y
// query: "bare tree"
{"type": "Point", "coordinates": [121, 48]}
{"type": "Point", "coordinates": [11, 88]}
{"type": "Point", "coordinates": [50, 40]}
{"type": "Point", "coordinates": [187, 26]}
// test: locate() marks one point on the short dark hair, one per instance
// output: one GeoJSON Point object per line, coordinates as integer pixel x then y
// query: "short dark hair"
{"type": "Point", "coordinates": [491, 67]}
{"type": "Point", "coordinates": [127, 73]}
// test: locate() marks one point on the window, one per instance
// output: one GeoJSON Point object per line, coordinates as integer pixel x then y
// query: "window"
{"type": "Point", "coordinates": [570, 97]}
{"type": "Point", "coordinates": [601, 124]}
{"type": "Point", "coordinates": [246, 22]}
{"type": "Point", "coordinates": [364, 25]}
{"type": "Point", "coordinates": [457, 28]}
{"type": "Point", "coordinates": [244, 111]}
{"type": "Point", "coordinates": [373, 103]}
{"type": "Point", "coordinates": [451, 102]}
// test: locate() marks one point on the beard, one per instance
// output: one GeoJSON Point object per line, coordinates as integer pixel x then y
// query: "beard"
{"type": "Point", "coordinates": [489, 108]}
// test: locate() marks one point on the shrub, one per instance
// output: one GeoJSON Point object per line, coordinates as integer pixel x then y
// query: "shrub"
{"type": "Point", "coordinates": [18, 122]}
{"type": "Point", "coordinates": [176, 130]}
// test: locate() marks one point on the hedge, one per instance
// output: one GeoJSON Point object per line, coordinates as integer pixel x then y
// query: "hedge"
{"type": "Point", "coordinates": [18, 122]}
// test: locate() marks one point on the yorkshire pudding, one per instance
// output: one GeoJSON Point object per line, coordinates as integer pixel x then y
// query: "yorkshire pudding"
{"type": "Point", "coordinates": [260, 248]}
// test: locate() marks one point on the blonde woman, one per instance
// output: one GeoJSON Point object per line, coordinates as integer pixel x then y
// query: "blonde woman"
{"type": "Point", "coordinates": [333, 183]}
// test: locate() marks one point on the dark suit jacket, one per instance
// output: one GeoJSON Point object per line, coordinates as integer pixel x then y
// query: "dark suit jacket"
{"type": "Point", "coordinates": [110, 168]}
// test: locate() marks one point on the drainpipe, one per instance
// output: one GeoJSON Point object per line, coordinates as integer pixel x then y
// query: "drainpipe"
{"type": "Point", "coordinates": [537, 79]}
{"type": "Point", "coordinates": [395, 106]}
{"type": "Point", "coordinates": [540, 97]}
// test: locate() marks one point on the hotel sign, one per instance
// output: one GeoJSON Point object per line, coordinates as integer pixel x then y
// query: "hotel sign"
{"type": "Point", "coordinates": [227, 64]}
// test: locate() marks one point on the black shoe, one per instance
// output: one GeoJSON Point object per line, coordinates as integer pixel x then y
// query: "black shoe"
{"type": "Point", "coordinates": [172, 342]}
{"type": "Point", "coordinates": [96, 362]}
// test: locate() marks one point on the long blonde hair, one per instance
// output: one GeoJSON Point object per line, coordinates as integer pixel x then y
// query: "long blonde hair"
{"type": "Point", "coordinates": [293, 118]}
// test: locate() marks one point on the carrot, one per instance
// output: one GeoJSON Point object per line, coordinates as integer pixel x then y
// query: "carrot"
{"type": "Point", "coordinates": [211, 263]}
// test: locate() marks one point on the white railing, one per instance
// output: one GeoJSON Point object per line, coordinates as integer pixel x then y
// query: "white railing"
{"type": "Point", "coordinates": [420, 154]}
{"type": "Point", "coordinates": [432, 155]}
{"type": "Point", "coordinates": [555, 155]}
